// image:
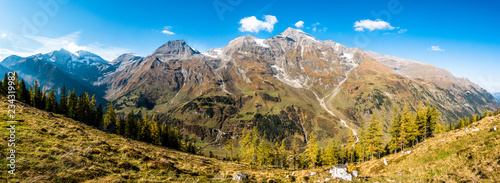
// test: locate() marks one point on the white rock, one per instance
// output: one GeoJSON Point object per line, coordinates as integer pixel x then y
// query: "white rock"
{"type": "Point", "coordinates": [408, 152]}
{"type": "Point", "coordinates": [327, 179]}
{"type": "Point", "coordinates": [474, 130]}
{"type": "Point", "coordinates": [385, 162]}
{"type": "Point", "coordinates": [494, 128]}
{"type": "Point", "coordinates": [287, 176]}
{"type": "Point", "coordinates": [293, 173]}
{"type": "Point", "coordinates": [442, 140]}
{"type": "Point", "coordinates": [313, 173]}
{"type": "Point", "coordinates": [240, 177]}
{"type": "Point", "coordinates": [466, 130]}
{"type": "Point", "coordinates": [355, 173]}
{"type": "Point", "coordinates": [340, 172]}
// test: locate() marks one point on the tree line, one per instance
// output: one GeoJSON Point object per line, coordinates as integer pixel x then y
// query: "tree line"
{"type": "Point", "coordinates": [83, 108]}
{"type": "Point", "coordinates": [408, 129]}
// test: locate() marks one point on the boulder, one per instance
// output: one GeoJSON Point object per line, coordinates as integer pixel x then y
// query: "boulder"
{"type": "Point", "coordinates": [474, 130]}
{"type": "Point", "coordinates": [327, 179]}
{"type": "Point", "coordinates": [293, 173]}
{"type": "Point", "coordinates": [385, 162]}
{"type": "Point", "coordinates": [313, 173]}
{"type": "Point", "coordinates": [240, 177]}
{"type": "Point", "coordinates": [340, 172]}
{"type": "Point", "coordinates": [494, 128]}
{"type": "Point", "coordinates": [355, 173]}
{"type": "Point", "coordinates": [442, 140]}
{"type": "Point", "coordinates": [466, 130]}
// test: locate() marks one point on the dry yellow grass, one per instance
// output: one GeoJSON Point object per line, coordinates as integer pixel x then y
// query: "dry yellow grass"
{"type": "Point", "coordinates": [455, 156]}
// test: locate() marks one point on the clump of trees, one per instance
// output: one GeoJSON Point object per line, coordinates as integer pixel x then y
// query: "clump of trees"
{"type": "Point", "coordinates": [410, 128]}
{"type": "Point", "coordinates": [83, 108]}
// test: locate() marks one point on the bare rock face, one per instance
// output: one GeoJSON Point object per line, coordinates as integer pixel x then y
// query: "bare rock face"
{"type": "Point", "coordinates": [240, 177]}
{"type": "Point", "coordinates": [340, 172]}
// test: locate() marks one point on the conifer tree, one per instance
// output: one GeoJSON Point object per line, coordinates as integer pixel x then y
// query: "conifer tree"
{"type": "Point", "coordinates": [433, 116]}
{"type": "Point", "coordinates": [403, 129]}
{"type": "Point", "coordinates": [312, 152]}
{"type": "Point", "coordinates": [229, 147]}
{"type": "Point", "coordinates": [131, 126]}
{"type": "Point", "coordinates": [23, 93]}
{"type": "Point", "coordinates": [72, 104]}
{"type": "Point", "coordinates": [331, 153]}
{"type": "Point", "coordinates": [109, 118]}
{"type": "Point", "coordinates": [51, 101]}
{"type": "Point", "coordinates": [5, 84]}
{"type": "Point", "coordinates": [395, 131]}
{"type": "Point", "coordinates": [99, 115]}
{"type": "Point", "coordinates": [63, 102]}
{"type": "Point", "coordinates": [283, 153]}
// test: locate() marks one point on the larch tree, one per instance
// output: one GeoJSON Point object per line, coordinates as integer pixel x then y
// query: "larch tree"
{"type": "Point", "coordinates": [109, 117]}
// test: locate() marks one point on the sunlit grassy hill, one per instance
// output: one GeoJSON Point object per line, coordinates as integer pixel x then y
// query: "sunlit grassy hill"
{"type": "Point", "coordinates": [455, 156]}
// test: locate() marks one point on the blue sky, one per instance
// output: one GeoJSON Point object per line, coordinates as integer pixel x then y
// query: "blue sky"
{"type": "Point", "coordinates": [460, 36]}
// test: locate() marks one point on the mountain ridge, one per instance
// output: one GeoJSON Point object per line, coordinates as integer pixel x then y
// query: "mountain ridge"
{"type": "Point", "coordinates": [289, 74]}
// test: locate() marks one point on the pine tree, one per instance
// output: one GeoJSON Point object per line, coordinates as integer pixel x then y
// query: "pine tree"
{"type": "Point", "coordinates": [312, 152]}
{"type": "Point", "coordinates": [331, 153]}
{"type": "Point", "coordinates": [131, 126]}
{"type": "Point", "coordinates": [145, 130]}
{"type": "Point", "coordinates": [99, 115]}
{"type": "Point", "coordinates": [43, 99]}
{"type": "Point", "coordinates": [486, 113]}
{"type": "Point", "coordinates": [72, 104]}
{"type": "Point", "coordinates": [283, 153]}
{"type": "Point", "coordinates": [109, 118]}
{"type": "Point", "coordinates": [63, 102]}
{"type": "Point", "coordinates": [154, 128]}
{"type": "Point", "coordinates": [5, 85]}
{"type": "Point", "coordinates": [374, 137]}
{"type": "Point", "coordinates": [92, 112]}
{"type": "Point", "coordinates": [351, 142]}
{"type": "Point", "coordinates": [23, 93]}
{"type": "Point", "coordinates": [51, 101]}
{"type": "Point", "coordinates": [403, 130]}
{"type": "Point", "coordinates": [395, 130]}
{"type": "Point", "coordinates": [433, 116]}
{"type": "Point", "coordinates": [229, 147]}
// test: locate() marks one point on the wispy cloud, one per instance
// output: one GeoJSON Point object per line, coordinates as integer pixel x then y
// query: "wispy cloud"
{"type": "Point", "coordinates": [436, 48]}
{"type": "Point", "coordinates": [252, 24]}
{"type": "Point", "coordinates": [315, 27]}
{"type": "Point", "coordinates": [401, 31]}
{"type": "Point", "coordinates": [68, 42]}
{"type": "Point", "coordinates": [3, 35]}
{"type": "Point", "coordinates": [167, 31]}
{"type": "Point", "coordinates": [372, 25]}
{"type": "Point", "coordinates": [299, 24]}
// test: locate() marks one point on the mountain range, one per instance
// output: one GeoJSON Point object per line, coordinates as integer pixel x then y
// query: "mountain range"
{"type": "Point", "coordinates": [289, 86]}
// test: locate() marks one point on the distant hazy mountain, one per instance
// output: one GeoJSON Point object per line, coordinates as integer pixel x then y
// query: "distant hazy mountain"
{"type": "Point", "coordinates": [59, 68]}
{"type": "Point", "coordinates": [497, 95]}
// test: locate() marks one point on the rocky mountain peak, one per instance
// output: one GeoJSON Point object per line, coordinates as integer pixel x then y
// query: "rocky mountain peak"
{"type": "Point", "coordinates": [295, 34]}
{"type": "Point", "coordinates": [176, 47]}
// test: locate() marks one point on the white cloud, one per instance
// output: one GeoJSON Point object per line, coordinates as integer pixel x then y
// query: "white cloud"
{"type": "Point", "coordinates": [402, 31]}
{"type": "Point", "coordinates": [436, 48]}
{"type": "Point", "coordinates": [372, 25]}
{"type": "Point", "coordinates": [68, 42]}
{"type": "Point", "coordinates": [166, 31]}
{"type": "Point", "coordinates": [251, 24]}
{"type": "Point", "coordinates": [299, 24]}
{"type": "Point", "coordinates": [3, 35]}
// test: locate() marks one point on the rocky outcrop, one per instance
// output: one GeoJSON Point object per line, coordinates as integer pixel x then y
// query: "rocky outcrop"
{"type": "Point", "coordinates": [340, 172]}
{"type": "Point", "coordinates": [240, 177]}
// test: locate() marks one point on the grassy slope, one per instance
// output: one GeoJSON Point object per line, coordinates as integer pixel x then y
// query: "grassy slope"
{"type": "Point", "coordinates": [58, 149]}
{"type": "Point", "coordinates": [461, 157]}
